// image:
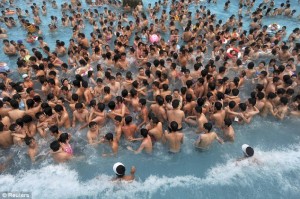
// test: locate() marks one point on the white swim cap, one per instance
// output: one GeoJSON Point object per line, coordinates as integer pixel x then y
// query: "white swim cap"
{"type": "Point", "coordinates": [24, 76]}
{"type": "Point", "coordinates": [119, 168]}
{"type": "Point", "coordinates": [247, 150]}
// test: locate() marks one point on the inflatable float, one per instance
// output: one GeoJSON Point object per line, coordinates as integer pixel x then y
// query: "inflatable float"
{"type": "Point", "coordinates": [230, 52]}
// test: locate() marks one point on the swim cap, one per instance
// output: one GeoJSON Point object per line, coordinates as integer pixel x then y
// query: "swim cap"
{"type": "Point", "coordinates": [247, 150]}
{"type": "Point", "coordinates": [119, 169]}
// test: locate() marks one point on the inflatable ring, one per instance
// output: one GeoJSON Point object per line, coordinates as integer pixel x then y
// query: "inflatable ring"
{"type": "Point", "coordinates": [31, 28]}
{"type": "Point", "coordinates": [83, 73]}
{"type": "Point", "coordinates": [224, 41]}
{"type": "Point", "coordinates": [273, 27]}
{"type": "Point", "coordinates": [233, 49]}
{"type": "Point", "coordinates": [34, 38]}
{"type": "Point", "coordinates": [10, 12]}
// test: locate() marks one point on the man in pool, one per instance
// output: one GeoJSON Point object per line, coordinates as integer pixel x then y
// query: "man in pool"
{"type": "Point", "coordinates": [8, 48]}
{"type": "Point", "coordinates": [146, 143]}
{"type": "Point", "coordinates": [206, 139]}
{"type": "Point", "coordinates": [120, 169]}
{"type": "Point", "coordinates": [81, 114]}
{"type": "Point", "coordinates": [176, 115]}
{"type": "Point", "coordinates": [173, 137]}
{"type": "Point", "coordinates": [248, 154]}
{"type": "Point", "coordinates": [129, 129]}
{"type": "Point", "coordinates": [113, 143]}
{"type": "Point", "coordinates": [32, 148]}
{"type": "Point", "coordinates": [93, 133]}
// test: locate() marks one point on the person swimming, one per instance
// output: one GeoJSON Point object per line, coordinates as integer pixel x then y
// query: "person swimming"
{"type": "Point", "coordinates": [120, 169]}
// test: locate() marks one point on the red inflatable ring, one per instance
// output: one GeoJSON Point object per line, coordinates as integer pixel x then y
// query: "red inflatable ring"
{"type": "Point", "coordinates": [229, 52]}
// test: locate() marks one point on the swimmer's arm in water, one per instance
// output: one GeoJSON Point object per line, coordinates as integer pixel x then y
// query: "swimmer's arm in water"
{"type": "Point", "coordinates": [139, 150]}
{"type": "Point", "coordinates": [83, 126]}
{"type": "Point", "coordinates": [134, 139]}
{"type": "Point", "coordinates": [19, 135]}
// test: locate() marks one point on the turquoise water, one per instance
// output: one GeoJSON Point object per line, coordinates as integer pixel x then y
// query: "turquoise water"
{"type": "Point", "coordinates": [189, 174]}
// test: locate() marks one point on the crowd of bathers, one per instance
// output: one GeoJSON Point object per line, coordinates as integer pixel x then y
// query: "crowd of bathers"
{"type": "Point", "coordinates": [150, 70]}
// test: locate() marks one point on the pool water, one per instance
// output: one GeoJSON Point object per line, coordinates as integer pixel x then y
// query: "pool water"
{"type": "Point", "coordinates": [189, 174]}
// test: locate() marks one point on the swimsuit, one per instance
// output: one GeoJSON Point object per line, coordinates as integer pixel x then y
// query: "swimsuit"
{"type": "Point", "coordinates": [68, 149]}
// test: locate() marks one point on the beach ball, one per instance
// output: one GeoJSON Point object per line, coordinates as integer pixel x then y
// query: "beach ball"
{"type": "Point", "coordinates": [154, 38]}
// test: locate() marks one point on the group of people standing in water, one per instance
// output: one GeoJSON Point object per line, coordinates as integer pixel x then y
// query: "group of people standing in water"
{"type": "Point", "coordinates": [153, 70]}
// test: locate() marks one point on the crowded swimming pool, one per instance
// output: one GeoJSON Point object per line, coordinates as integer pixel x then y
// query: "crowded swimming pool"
{"type": "Point", "coordinates": [190, 173]}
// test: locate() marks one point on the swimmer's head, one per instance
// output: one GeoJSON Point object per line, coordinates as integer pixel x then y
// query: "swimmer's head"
{"type": "Point", "coordinates": [79, 107]}
{"type": "Point", "coordinates": [144, 132]}
{"type": "Point", "coordinates": [128, 119]}
{"type": "Point", "coordinates": [64, 137]}
{"type": "Point", "coordinates": [227, 122]}
{"type": "Point", "coordinates": [175, 103]}
{"type": "Point", "coordinates": [207, 126]}
{"type": "Point", "coordinates": [92, 124]}
{"type": "Point", "coordinates": [109, 137]}
{"type": "Point", "coordinates": [248, 151]}
{"type": "Point", "coordinates": [118, 119]}
{"type": "Point", "coordinates": [30, 141]}
{"type": "Point", "coordinates": [119, 169]}
{"type": "Point", "coordinates": [54, 129]}
{"type": "Point", "coordinates": [174, 126]}
{"type": "Point", "coordinates": [218, 105]}
{"type": "Point", "coordinates": [55, 146]}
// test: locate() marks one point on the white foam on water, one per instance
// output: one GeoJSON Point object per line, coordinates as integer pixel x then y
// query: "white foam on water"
{"type": "Point", "coordinates": [58, 181]}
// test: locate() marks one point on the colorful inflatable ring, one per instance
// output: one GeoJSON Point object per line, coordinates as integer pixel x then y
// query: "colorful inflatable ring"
{"type": "Point", "coordinates": [233, 49]}
{"type": "Point", "coordinates": [273, 27]}
{"type": "Point", "coordinates": [35, 38]}
{"type": "Point", "coordinates": [224, 41]}
{"type": "Point", "coordinates": [31, 28]}
{"type": "Point", "coordinates": [83, 73]}
{"type": "Point", "coordinates": [10, 12]}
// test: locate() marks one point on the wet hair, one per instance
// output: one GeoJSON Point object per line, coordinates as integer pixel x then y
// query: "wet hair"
{"type": "Point", "coordinates": [55, 146]}
{"type": "Point", "coordinates": [144, 132]}
{"type": "Point", "coordinates": [78, 105]}
{"type": "Point", "coordinates": [118, 118]}
{"type": "Point", "coordinates": [109, 136]}
{"type": "Point", "coordinates": [235, 92]}
{"type": "Point", "coordinates": [175, 103]}
{"type": "Point", "coordinates": [28, 140]}
{"type": "Point", "coordinates": [14, 104]}
{"type": "Point", "coordinates": [27, 119]}
{"type": "Point", "coordinates": [91, 124]}
{"type": "Point", "coordinates": [207, 126]}
{"type": "Point", "coordinates": [284, 100]}
{"type": "Point", "coordinates": [142, 101]}
{"type": "Point", "coordinates": [101, 106]}
{"type": "Point", "coordinates": [252, 101]}
{"type": "Point", "coordinates": [58, 108]}
{"type": "Point", "coordinates": [243, 106]}
{"type": "Point", "coordinates": [111, 105]}
{"type": "Point", "coordinates": [198, 109]}
{"type": "Point", "coordinates": [174, 126]}
{"type": "Point", "coordinates": [63, 137]}
{"type": "Point", "coordinates": [227, 122]}
{"type": "Point", "coordinates": [218, 105]}
{"type": "Point", "coordinates": [48, 111]}
{"type": "Point", "coordinates": [128, 119]}
{"type": "Point", "coordinates": [54, 129]}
